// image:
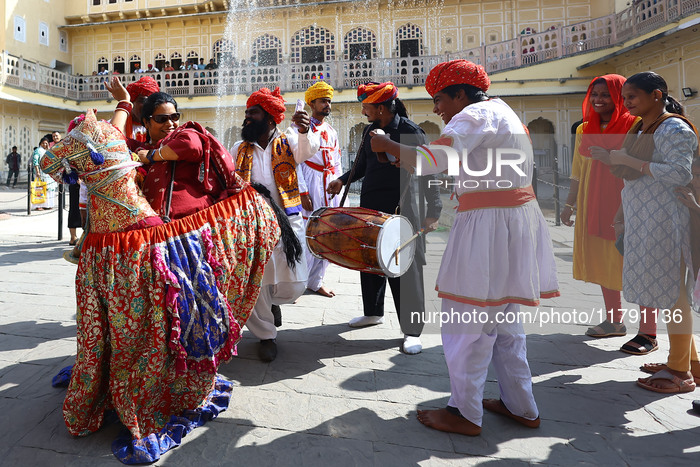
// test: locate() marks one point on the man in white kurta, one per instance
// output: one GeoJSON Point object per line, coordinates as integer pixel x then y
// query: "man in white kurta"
{"type": "Point", "coordinates": [499, 254]}
{"type": "Point", "coordinates": [281, 283]}
{"type": "Point", "coordinates": [318, 171]}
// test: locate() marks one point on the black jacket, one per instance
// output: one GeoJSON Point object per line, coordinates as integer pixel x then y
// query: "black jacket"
{"type": "Point", "coordinates": [384, 184]}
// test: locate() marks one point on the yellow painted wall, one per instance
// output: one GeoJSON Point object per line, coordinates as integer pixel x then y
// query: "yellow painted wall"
{"type": "Point", "coordinates": [77, 8]}
{"type": "Point", "coordinates": [8, 29]}
{"type": "Point", "coordinates": [447, 26]}
{"type": "Point", "coordinates": [34, 12]}
{"type": "Point", "coordinates": [675, 57]}
{"type": "Point", "coordinates": [551, 91]}
{"type": "Point", "coordinates": [24, 124]}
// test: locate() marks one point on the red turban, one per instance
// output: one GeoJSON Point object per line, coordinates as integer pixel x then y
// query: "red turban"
{"type": "Point", "coordinates": [456, 72]}
{"type": "Point", "coordinates": [376, 93]}
{"type": "Point", "coordinates": [272, 102]}
{"type": "Point", "coordinates": [143, 87]}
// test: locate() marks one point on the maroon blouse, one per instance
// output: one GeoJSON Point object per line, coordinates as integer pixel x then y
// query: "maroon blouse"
{"type": "Point", "coordinates": [195, 186]}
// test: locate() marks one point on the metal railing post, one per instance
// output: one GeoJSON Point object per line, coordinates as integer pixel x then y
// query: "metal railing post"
{"type": "Point", "coordinates": [61, 203]}
{"type": "Point", "coordinates": [534, 178]}
{"type": "Point", "coordinates": [555, 166]}
{"type": "Point", "coordinates": [29, 188]}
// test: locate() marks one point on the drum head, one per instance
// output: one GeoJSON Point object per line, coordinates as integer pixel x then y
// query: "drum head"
{"type": "Point", "coordinates": [395, 231]}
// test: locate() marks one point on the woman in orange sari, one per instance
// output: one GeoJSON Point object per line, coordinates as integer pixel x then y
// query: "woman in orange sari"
{"type": "Point", "coordinates": [595, 195]}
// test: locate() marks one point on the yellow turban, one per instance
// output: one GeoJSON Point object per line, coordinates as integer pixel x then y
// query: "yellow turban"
{"type": "Point", "coordinates": [319, 90]}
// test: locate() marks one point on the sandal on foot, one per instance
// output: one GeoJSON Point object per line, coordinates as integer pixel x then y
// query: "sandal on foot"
{"type": "Point", "coordinates": [641, 344]}
{"type": "Point", "coordinates": [653, 368]}
{"type": "Point", "coordinates": [680, 385]}
{"type": "Point", "coordinates": [607, 329]}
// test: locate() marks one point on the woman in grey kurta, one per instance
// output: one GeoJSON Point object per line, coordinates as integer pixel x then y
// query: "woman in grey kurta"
{"type": "Point", "coordinates": [657, 226]}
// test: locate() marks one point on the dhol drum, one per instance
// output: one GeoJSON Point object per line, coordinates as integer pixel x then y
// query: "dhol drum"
{"type": "Point", "coordinates": [362, 239]}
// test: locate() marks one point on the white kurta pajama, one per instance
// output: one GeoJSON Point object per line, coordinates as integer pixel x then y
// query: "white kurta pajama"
{"type": "Point", "coordinates": [321, 169]}
{"type": "Point", "coordinates": [496, 259]}
{"type": "Point", "coordinates": [281, 284]}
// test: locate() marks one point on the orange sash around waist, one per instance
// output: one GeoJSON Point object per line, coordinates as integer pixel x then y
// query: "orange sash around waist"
{"type": "Point", "coordinates": [495, 198]}
{"type": "Point", "coordinates": [327, 170]}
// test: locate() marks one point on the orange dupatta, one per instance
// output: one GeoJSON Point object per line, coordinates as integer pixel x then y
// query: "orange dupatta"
{"type": "Point", "coordinates": [603, 187]}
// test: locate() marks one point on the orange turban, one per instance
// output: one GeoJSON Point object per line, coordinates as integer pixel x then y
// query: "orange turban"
{"type": "Point", "coordinates": [272, 102]}
{"type": "Point", "coordinates": [456, 72]}
{"type": "Point", "coordinates": [376, 93]}
{"type": "Point", "coordinates": [143, 87]}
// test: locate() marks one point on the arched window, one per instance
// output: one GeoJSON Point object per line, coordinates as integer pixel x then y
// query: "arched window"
{"type": "Point", "coordinates": [102, 63]}
{"type": "Point", "coordinates": [359, 44]}
{"type": "Point", "coordinates": [118, 64]}
{"type": "Point", "coordinates": [267, 50]}
{"type": "Point", "coordinates": [409, 41]}
{"type": "Point", "coordinates": [175, 60]}
{"type": "Point", "coordinates": [193, 57]}
{"type": "Point", "coordinates": [159, 61]}
{"type": "Point", "coordinates": [135, 63]}
{"type": "Point", "coordinates": [223, 52]}
{"type": "Point", "coordinates": [24, 143]}
{"type": "Point", "coordinates": [11, 136]}
{"type": "Point", "coordinates": [312, 45]}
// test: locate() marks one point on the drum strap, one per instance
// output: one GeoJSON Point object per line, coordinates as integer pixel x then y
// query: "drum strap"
{"type": "Point", "coordinates": [352, 170]}
{"type": "Point", "coordinates": [403, 195]}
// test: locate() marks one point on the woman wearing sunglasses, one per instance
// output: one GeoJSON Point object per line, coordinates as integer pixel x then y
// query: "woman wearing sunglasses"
{"type": "Point", "coordinates": [187, 169]}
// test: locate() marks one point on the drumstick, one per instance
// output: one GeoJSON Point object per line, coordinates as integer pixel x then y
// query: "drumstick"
{"type": "Point", "coordinates": [416, 235]}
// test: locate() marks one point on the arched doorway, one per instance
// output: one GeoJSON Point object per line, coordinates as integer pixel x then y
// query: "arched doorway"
{"type": "Point", "coordinates": [543, 144]}
{"type": "Point", "coordinates": [432, 131]}
{"type": "Point", "coordinates": [354, 141]}
{"type": "Point", "coordinates": [231, 135]}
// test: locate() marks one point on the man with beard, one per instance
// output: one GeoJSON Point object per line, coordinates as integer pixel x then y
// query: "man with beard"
{"type": "Point", "coordinates": [270, 157]}
{"type": "Point", "coordinates": [389, 189]}
{"type": "Point", "coordinates": [319, 172]}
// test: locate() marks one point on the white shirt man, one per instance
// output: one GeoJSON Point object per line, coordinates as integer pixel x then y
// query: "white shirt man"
{"type": "Point", "coordinates": [281, 284]}
{"type": "Point", "coordinates": [318, 171]}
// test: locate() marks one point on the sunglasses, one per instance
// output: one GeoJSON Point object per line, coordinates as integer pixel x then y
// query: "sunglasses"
{"type": "Point", "coordinates": [162, 118]}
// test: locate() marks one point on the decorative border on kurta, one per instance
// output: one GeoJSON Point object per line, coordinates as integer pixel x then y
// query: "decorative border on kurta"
{"type": "Point", "coordinates": [480, 302]}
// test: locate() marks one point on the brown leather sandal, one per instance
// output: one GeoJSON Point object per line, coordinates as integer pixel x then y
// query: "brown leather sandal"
{"type": "Point", "coordinates": [641, 344]}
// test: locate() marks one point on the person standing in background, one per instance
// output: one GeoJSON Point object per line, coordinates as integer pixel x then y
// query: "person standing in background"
{"type": "Point", "coordinates": [14, 161]}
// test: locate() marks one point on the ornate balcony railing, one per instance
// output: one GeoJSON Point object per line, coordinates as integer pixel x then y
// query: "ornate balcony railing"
{"type": "Point", "coordinates": [641, 17]}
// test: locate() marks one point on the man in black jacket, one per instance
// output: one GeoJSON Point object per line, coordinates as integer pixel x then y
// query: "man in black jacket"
{"type": "Point", "coordinates": [14, 161]}
{"type": "Point", "coordinates": [384, 188]}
